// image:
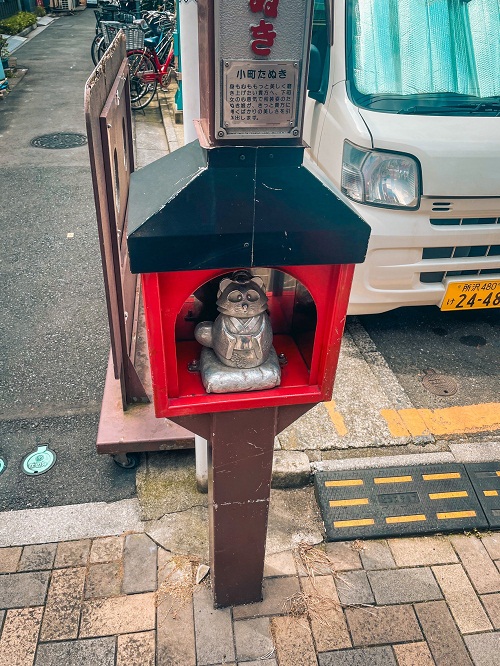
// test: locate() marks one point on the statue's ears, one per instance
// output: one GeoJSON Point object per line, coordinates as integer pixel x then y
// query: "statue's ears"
{"type": "Point", "coordinates": [223, 284]}
{"type": "Point", "coordinates": [258, 280]}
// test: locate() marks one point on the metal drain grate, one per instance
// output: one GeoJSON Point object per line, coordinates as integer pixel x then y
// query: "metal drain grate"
{"type": "Point", "coordinates": [59, 140]}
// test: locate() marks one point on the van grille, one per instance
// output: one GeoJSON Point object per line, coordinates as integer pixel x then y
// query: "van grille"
{"type": "Point", "coordinates": [458, 253]}
{"type": "Point", "coordinates": [442, 206]}
{"type": "Point", "coordinates": [462, 221]}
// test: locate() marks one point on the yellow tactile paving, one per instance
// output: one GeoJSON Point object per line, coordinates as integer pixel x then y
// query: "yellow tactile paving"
{"type": "Point", "coordinates": [445, 421]}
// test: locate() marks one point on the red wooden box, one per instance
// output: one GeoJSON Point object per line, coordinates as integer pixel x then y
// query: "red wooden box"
{"type": "Point", "coordinates": [307, 306]}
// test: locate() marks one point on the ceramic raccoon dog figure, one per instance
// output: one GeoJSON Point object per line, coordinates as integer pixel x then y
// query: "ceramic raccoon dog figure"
{"type": "Point", "coordinates": [241, 336]}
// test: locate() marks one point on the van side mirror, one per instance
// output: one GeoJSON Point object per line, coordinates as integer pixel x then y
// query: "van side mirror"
{"type": "Point", "coordinates": [315, 70]}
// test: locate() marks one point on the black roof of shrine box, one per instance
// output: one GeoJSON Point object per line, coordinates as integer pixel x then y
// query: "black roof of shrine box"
{"type": "Point", "coordinates": [230, 206]}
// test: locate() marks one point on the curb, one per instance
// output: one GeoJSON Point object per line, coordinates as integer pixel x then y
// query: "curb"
{"type": "Point", "coordinates": [168, 122]}
{"type": "Point", "coordinates": [292, 469]}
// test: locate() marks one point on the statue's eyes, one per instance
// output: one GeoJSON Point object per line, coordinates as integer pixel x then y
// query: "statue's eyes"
{"type": "Point", "coordinates": [253, 296]}
{"type": "Point", "coordinates": [235, 297]}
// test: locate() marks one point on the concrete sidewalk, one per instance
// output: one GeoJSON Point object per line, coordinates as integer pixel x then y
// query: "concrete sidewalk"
{"type": "Point", "coordinates": [125, 600]}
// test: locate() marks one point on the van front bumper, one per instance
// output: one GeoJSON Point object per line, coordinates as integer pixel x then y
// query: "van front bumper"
{"type": "Point", "coordinates": [412, 254]}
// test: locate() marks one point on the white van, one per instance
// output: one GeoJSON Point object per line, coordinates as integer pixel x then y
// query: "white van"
{"type": "Point", "coordinates": [403, 116]}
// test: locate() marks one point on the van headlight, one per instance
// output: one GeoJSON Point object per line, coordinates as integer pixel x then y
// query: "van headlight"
{"type": "Point", "coordinates": [379, 178]}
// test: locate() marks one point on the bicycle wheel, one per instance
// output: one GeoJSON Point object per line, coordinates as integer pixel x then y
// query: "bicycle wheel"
{"type": "Point", "coordinates": [101, 49]}
{"type": "Point", "coordinates": [93, 47]}
{"type": "Point", "coordinates": [141, 92]}
{"type": "Point", "coordinates": [167, 79]}
{"type": "Point", "coordinates": [98, 47]}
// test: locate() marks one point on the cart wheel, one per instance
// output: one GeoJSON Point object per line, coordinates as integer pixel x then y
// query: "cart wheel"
{"type": "Point", "coordinates": [127, 460]}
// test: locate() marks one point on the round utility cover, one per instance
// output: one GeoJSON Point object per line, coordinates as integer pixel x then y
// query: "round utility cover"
{"type": "Point", "coordinates": [439, 384]}
{"type": "Point", "coordinates": [59, 140]}
{"type": "Point", "coordinates": [3, 465]}
{"type": "Point", "coordinates": [39, 461]}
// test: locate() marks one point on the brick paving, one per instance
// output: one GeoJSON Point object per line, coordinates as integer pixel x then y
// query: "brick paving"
{"type": "Point", "coordinates": [125, 601]}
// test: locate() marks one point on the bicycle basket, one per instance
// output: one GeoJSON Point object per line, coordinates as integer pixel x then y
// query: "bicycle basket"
{"type": "Point", "coordinates": [125, 18]}
{"type": "Point", "coordinates": [109, 30]}
{"type": "Point", "coordinates": [107, 15]}
{"type": "Point", "coordinates": [134, 35]}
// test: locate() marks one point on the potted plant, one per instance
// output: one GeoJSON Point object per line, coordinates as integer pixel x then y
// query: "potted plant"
{"type": "Point", "coordinates": [4, 52]}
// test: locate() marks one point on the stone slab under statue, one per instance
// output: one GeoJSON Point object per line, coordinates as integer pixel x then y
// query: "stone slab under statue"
{"type": "Point", "coordinates": [238, 354]}
{"type": "Point", "coordinates": [219, 378]}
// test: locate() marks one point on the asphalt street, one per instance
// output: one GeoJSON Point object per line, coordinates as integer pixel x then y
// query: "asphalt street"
{"type": "Point", "coordinates": [462, 346]}
{"type": "Point", "coordinates": [53, 327]}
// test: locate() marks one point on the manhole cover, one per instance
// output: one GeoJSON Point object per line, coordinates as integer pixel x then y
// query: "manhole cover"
{"type": "Point", "coordinates": [59, 140]}
{"type": "Point", "coordinates": [39, 461]}
{"type": "Point", "coordinates": [473, 340]}
{"type": "Point", "coordinates": [439, 384]}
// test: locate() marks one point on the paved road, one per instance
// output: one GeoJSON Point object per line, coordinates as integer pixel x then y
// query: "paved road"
{"type": "Point", "coordinates": [53, 328]}
{"type": "Point", "coordinates": [464, 346]}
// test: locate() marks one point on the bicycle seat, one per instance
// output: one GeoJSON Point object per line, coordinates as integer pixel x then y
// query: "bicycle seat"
{"type": "Point", "coordinates": [151, 42]}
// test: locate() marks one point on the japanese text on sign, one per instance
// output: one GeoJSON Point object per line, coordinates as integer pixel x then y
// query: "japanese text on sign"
{"type": "Point", "coordinates": [260, 93]}
{"type": "Point", "coordinates": [263, 34]}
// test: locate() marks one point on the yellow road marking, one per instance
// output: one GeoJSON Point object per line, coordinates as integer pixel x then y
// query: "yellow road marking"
{"type": "Point", "coordinates": [392, 479]}
{"type": "Point", "coordinates": [498, 472]}
{"type": "Point", "coordinates": [344, 482]}
{"type": "Point", "coordinates": [354, 523]}
{"type": "Point", "coordinates": [337, 418]}
{"type": "Point", "coordinates": [406, 519]}
{"type": "Point", "coordinates": [349, 502]}
{"type": "Point", "coordinates": [490, 493]}
{"type": "Point", "coordinates": [438, 477]}
{"type": "Point", "coordinates": [413, 421]}
{"type": "Point", "coordinates": [445, 421]}
{"type": "Point", "coordinates": [459, 493]}
{"type": "Point", "coordinates": [455, 514]}
{"type": "Point", "coordinates": [395, 423]}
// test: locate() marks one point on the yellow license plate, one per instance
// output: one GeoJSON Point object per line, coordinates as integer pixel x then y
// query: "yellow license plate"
{"type": "Point", "coordinates": [471, 295]}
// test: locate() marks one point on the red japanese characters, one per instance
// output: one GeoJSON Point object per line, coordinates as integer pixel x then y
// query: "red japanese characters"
{"type": "Point", "coordinates": [264, 37]}
{"type": "Point", "coordinates": [269, 7]}
{"type": "Point", "coordinates": [263, 34]}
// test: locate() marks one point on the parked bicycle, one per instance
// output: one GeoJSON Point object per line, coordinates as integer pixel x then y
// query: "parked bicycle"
{"type": "Point", "coordinates": [151, 59]}
{"type": "Point", "coordinates": [123, 11]}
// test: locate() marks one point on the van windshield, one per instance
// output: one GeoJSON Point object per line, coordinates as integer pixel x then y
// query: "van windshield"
{"type": "Point", "coordinates": [425, 56]}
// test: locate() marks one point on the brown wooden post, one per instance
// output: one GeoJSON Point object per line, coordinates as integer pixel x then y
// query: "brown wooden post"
{"type": "Point", "coordinates": [240, 467]}
{"type": "Point", "coordinates": [240, 463]}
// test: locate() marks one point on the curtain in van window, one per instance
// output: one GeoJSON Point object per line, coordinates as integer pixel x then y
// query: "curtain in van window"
{"type": "Point", "coordinates": [426, 46]}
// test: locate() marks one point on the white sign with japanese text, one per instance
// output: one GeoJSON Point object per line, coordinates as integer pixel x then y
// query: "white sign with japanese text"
{"type": "Point", "coordinates": [262, 52]}
{"type": "Point", "coordinates": [263, 93]}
